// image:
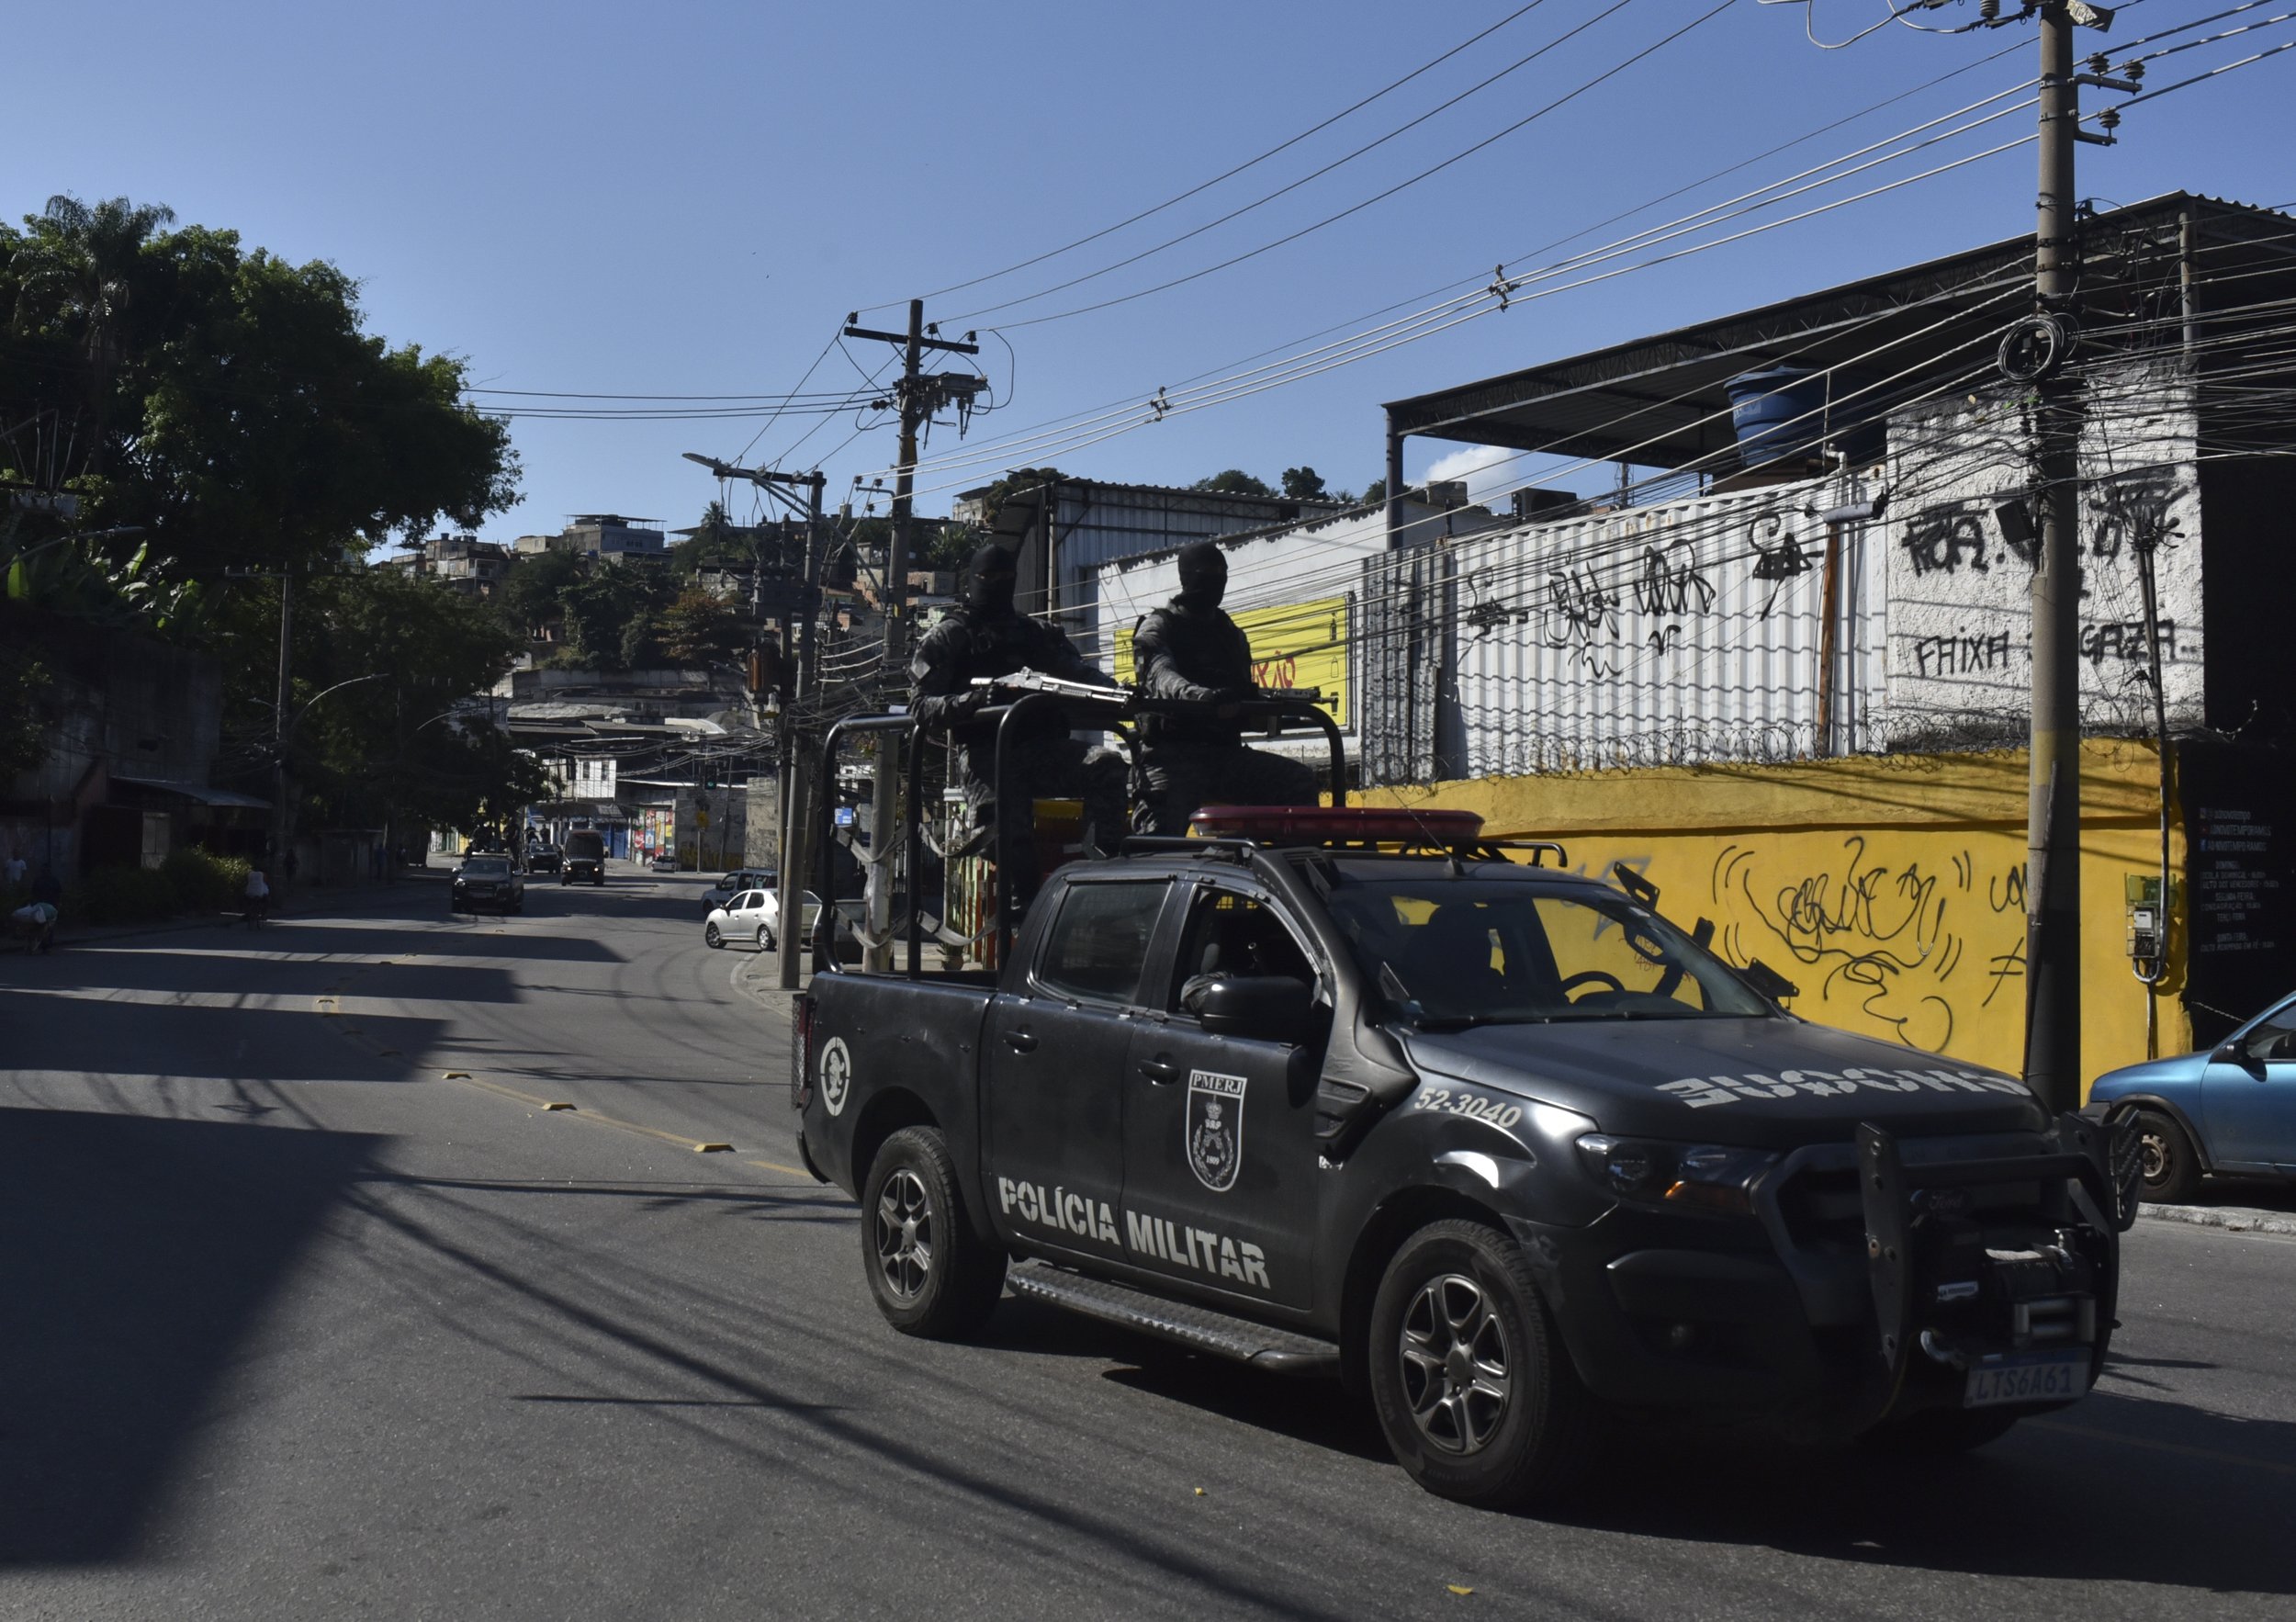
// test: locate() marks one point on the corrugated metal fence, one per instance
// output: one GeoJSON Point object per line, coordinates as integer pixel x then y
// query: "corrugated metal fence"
{"type": "Point", "coordinates": [1693, 631]}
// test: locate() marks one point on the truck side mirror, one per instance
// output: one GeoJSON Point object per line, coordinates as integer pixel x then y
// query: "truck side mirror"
{"type": "Point", "coordinates": [1260, 1008]}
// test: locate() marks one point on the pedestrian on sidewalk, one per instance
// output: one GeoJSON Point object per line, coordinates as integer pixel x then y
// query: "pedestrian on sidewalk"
{"type": "Point", "coordinates": [38, 920]}
{"type": "Point", "coordinates": [258, 897]}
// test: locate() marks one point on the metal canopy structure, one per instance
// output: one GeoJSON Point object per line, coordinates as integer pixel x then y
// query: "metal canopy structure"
{"type": "Point", "coordinates": [1661, 402]}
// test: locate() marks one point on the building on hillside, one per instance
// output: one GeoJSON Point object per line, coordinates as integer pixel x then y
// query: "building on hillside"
{"type": "Point", "coordinates": [601, 535]}
{"type": "Point", "coordinates": [1064, 532]}
{"type": "Point", "coordinates": [461, 562]}
{"type": "Point", "coordinates": [1749, 676]}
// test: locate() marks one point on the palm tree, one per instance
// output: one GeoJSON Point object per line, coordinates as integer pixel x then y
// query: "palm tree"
{"type": "Point", "coordinates": [76, 272]}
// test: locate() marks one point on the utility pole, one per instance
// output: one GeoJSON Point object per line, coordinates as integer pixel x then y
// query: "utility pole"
{"type": "Point", "coordinates": [279, 829]}
{"type": "Point", "coordinates": [2036, 352]}
{"type": "Point", "coordinates": [918, 397]}
{"type": "Point", "coordinates": [793, 787]}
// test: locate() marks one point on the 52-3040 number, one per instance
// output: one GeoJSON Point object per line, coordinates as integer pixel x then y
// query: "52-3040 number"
{"type": "Point", "coordinates": [1474, 1106]}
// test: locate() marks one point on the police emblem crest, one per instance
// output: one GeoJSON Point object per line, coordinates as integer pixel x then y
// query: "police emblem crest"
{"type": "Point", "coordinates": [1213, 1130]}
{"type": "Point", "coordinates": [837, 1074]}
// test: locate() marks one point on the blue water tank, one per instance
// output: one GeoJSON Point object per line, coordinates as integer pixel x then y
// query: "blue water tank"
{"type": "Point", "coordinates": [1783, 413]}
{"type": "Point", "coordinates": [1777, 413]}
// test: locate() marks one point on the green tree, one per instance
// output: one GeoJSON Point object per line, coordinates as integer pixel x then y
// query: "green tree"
{"type": "Point", "coordinates": [700, 632]}
{"type": "Point", "coordinates": [1235, 482]}
{"type": "Point", "coordinates": [1374, 492]}
{"type": "Point", "coordinates": [610, 616]}
{"type": "Point", "coordinates": [1303, 484]}
{"type": "Point", "coordinates": [380, 724]}
{"type": "Point", "coordinates": [531, 592]}
{"type": "Point", "coordinates": [76, 275]}
{"type": "Point", "coordinates": [227, 404]}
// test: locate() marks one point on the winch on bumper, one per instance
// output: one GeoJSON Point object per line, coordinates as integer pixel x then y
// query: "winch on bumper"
{"type": "Point", "coordinates": [1868, 1282]}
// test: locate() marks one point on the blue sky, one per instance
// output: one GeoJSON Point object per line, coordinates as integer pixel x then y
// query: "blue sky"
{"type": "Point", "coordinates": [686, 199]}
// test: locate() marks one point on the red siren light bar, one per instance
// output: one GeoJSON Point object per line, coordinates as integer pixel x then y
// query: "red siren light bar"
{"type": "Point", "coordinates": [1336, 825]}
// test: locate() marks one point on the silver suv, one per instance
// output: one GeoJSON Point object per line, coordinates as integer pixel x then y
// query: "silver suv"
{"type": "Point", "coordinates": [735, 882]}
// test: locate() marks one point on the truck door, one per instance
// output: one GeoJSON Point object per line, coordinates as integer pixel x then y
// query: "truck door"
{"type": "Point", "coordinates": [1052, 1067]}
{"type": "Point", "coordinates": [2248, 1107]}
{"type": "Point", "coordinates": [1220, 1151]}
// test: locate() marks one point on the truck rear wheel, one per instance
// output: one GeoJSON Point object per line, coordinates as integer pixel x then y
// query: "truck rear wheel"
{"type": "Point", "coordinates": [930, 1275]}
{"type": "Point", "coordinates": [1473, 1389]}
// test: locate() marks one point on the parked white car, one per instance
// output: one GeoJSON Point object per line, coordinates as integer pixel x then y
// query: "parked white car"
{"type": "Point", "coordinates": [754, 914]}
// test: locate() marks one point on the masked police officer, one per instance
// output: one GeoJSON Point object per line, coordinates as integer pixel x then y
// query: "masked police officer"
{"type": "Point", "coordinates": [1189, 649]}
{"type": "Point", "coordinates": [984, 636]}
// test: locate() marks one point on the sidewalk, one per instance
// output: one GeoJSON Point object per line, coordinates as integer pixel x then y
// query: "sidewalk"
{"type": "Point", "coordinates": [302, 901]}
{"type": "Point", "coordinates": [2232, 1219]}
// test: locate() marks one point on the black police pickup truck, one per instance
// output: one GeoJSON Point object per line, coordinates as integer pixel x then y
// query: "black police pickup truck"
{"type": "Point", "coordinates": [1359, 1093]}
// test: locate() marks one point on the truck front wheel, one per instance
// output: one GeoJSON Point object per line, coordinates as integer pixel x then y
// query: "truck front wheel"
{"type": "Point", "coordinates": [930, 1275]}
{"type": "Point", "coordinates": [1473, 1389]}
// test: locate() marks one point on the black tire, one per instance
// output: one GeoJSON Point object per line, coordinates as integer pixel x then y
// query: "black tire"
{"type": "Point", "coordinates": [930, 1275]}
{"type": "Point", "coordinates": [711, 935]}
{"type": "Point", "coordinates": [2171, 1164]}
{"type": "Point", "coordinates": [599, 880]}
{"type": "Point", "coordinates": [1470, 1380]}
{"type": "Point", "coordinates": [1940, 1433]}
{"type": "Point", "coordinates": [765, 938]}
{"type": "Point", "coordinates": [565, 878]}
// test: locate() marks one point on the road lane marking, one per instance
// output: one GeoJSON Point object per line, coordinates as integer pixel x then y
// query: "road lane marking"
{"type": "Point", "coordinates": [776, 1165]}
{"type": "Point", "coordinates": [546, 1105]}
{"type": "Point", "coordinates": [2181, 1449]}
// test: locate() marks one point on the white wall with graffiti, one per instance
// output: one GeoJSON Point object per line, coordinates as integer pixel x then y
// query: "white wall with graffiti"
{"type": "Point", "coordinates": [1740, 627]}
{"type": "Point", "coordinates": [1696, 630]}
{"type": "Point", "coordinates": [1961, 558]}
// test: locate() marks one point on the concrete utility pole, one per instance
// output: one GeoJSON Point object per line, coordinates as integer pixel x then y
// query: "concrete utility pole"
{"type": "Point", "coordinates": [2037, 353]}
{"type": "Point", "coordinates": [796, 783]}
{"type": "Point", "coordinates": [918, 397]}
{"type": "Point", "coordinates": [279, 828]}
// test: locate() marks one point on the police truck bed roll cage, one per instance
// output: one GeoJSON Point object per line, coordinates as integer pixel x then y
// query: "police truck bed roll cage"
{"type": "Point", "coordinates": [1115, 712]}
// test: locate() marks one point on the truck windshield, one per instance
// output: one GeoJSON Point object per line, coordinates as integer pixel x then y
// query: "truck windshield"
{"type": "Point", "coordinates": [1459, 952]}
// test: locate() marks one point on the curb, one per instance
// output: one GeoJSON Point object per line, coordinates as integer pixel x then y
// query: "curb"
{"type": "Point", "coordinates": [2232, 1219]}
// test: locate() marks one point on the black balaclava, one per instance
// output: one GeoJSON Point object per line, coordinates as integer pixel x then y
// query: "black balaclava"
{"type": "Point", "coordinates": [988, 581]}
{"type": "Point", "coordinates": [1203, 575]}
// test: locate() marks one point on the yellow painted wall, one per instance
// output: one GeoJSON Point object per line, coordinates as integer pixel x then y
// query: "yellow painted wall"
{"type": "Point", "coordinates": [1297, 645]}
{"type": "Point", "coordinates": [1890, 889]}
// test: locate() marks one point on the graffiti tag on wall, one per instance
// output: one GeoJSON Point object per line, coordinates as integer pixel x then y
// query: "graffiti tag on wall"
{"type": "Point", "coordinates": [1914, 949]}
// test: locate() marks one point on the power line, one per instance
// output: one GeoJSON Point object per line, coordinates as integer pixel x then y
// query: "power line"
{"type": "Point", "coordinates": [1229, 173]}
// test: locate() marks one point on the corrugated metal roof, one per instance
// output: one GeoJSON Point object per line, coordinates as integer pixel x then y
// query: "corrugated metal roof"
{"type": "Point", "coordinates": [1660, 401]}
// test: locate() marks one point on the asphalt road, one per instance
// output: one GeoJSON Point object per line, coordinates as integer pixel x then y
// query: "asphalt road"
{"type": "Point", "coordinates": [293, 1326]}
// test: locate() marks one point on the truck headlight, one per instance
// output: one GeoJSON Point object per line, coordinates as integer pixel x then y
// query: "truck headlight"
{"type": "Point", "coordinates": [1711, 1177]}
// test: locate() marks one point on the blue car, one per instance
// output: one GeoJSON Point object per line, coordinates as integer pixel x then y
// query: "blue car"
{"type": "Point", "coordinates": [2231, 1109]}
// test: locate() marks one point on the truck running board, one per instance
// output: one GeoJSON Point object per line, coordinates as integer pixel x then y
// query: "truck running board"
{"type": "Point", "coordinates": [1197, 1328]}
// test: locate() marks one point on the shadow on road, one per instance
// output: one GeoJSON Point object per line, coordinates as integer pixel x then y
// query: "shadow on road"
{"type": "Point", "coordinates": [2053, 1500]}
{"type": "Point", "coordinates": [140, 1254]}
{"type": "Point", "coordinates": [2047, 1501]}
